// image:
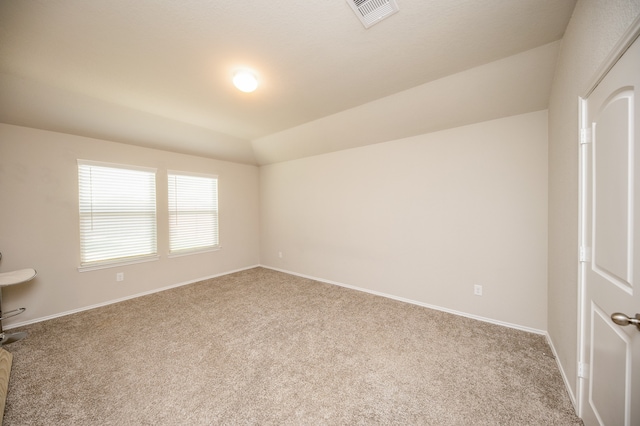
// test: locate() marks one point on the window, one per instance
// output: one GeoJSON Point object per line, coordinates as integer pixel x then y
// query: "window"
{"type": "Point", "coordinates": [193, 212]}
{"type": "Point", "coordinates": [117, 214]}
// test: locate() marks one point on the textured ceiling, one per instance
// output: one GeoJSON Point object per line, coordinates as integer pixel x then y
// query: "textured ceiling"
{"type": "Point", "coordinates": [158, 72]}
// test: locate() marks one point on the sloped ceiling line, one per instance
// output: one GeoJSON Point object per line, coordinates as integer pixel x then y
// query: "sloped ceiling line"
{"type": "Point", "coordinates": [158, 73]}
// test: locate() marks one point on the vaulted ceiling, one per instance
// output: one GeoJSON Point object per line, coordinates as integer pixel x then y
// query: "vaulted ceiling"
{"type": "Point", "coordinates": [157, 73]}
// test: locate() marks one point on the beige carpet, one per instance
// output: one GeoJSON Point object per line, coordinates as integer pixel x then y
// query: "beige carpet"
{"type": "Point", "coordinates": [266, 348]}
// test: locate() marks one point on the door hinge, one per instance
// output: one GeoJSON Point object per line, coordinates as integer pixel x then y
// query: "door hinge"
{"type": "Point", "coordinates": [583, 370]}
{"type": "Point", "coordinates": [585, 254]}
{"type": "Point", "coordinates": [585, 136]}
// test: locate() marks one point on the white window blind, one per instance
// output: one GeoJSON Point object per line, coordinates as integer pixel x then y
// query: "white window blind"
{"type": "Point", "coordinates": [117, 213]}
{"type": "Point", "coordinates": [193, 212]}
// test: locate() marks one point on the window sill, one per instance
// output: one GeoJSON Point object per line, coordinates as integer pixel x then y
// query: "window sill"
{"type": "Point", "coordinates": [190, 252]}
{"type": "Point", "coordinates": [106, 265]}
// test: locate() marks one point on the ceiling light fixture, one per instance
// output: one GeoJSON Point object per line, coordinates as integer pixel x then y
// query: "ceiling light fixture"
{"type": "Point", "coordinates": [245, 81]}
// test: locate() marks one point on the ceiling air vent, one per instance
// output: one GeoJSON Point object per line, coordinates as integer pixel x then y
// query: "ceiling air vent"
{"type": "Point", "coordinates": [373, 11]}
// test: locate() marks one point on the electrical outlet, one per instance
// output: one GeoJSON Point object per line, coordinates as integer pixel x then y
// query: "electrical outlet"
{"type": "Point", "coordinates": [120, 276]}
{"type": "Point", "coordinates": [280, 254]}
{"type": "Point", "coordinates": [477, 290]}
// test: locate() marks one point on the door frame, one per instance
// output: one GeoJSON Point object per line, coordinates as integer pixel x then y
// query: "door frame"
{"type": "Point", "coordinates": [632, 33]}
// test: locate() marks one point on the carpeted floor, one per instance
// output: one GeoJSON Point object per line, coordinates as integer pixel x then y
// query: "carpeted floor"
{"type": "Point", "coordinates": [266, 348]}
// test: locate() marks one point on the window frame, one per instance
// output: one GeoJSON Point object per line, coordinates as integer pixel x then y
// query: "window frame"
{"type": "Point", "coordinates": [170, 212]}
{"type": "Point", "coordinates": [125, 260]}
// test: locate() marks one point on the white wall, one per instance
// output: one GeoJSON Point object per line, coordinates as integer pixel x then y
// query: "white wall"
{"type": "Point", "coordinates": [594, 29]}
{"type": "Point", "coordinates": [39, 222]}
{"type": "Point", "coordinates": [423, 218]}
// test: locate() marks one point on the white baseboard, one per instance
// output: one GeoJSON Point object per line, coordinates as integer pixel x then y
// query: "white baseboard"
{"type": "Point", "coordinates": [567, 385]}
{"type": "Point", "coordinates": [377, 293]}
{"type": "Point", "coordinates": [414, 302]}
{"type": "Point", "coordinates": [122, 299]}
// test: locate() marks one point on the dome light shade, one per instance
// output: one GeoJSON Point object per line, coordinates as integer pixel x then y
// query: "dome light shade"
{"type": "Point", "coordinates": [245, 81]}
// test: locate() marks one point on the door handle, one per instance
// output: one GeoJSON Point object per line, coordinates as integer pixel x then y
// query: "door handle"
{"type": "Point", "coordinates": [622, 319]}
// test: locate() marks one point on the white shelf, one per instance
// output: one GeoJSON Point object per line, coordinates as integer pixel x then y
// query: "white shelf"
{"type": "Point", "coordinates": [16, 277]}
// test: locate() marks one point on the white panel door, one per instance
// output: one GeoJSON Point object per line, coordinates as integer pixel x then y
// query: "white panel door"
{"type": "Point", "coordinates": [611, 393]}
